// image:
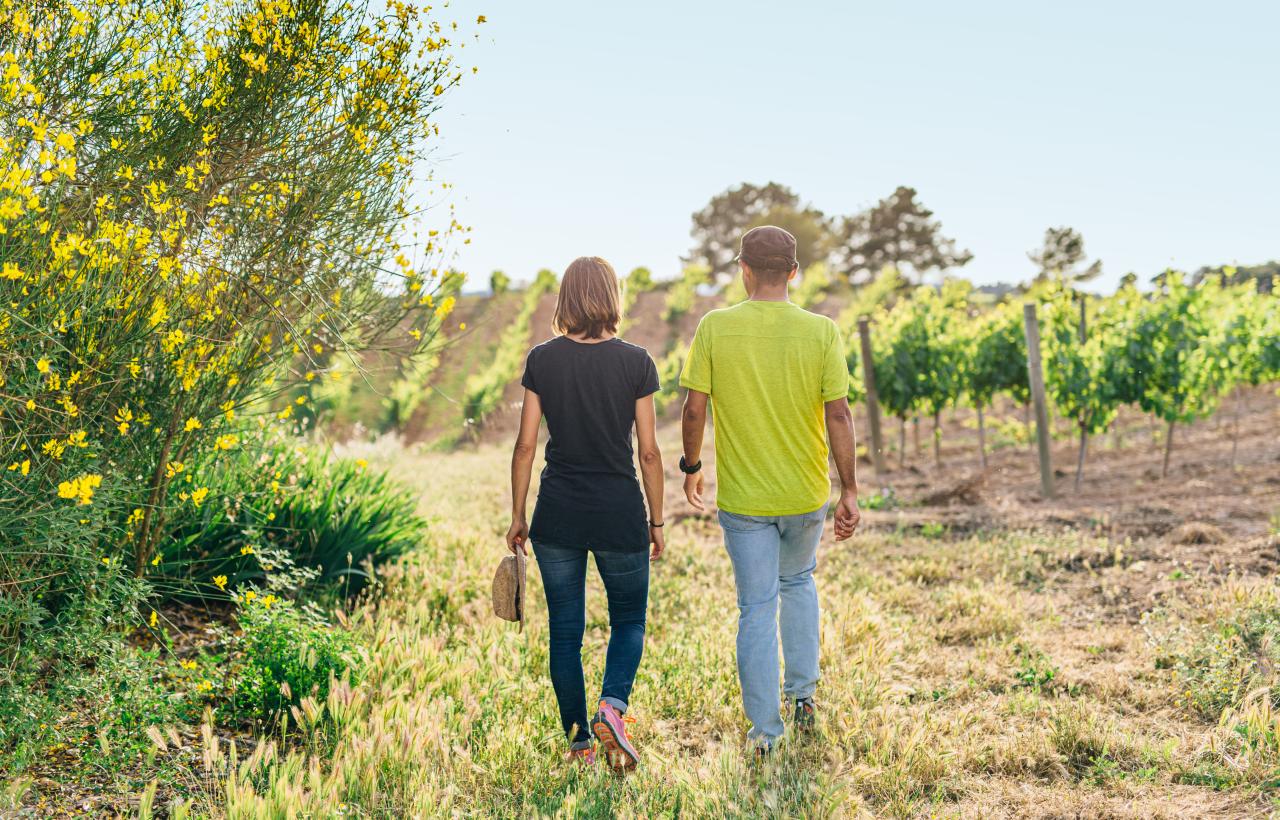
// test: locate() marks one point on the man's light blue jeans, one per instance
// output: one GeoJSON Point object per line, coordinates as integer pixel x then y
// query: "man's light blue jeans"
{"type": "Point", "coordinates": [773, 560]}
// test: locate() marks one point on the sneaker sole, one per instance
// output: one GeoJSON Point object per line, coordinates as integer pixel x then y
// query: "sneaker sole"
{"type": "Point", "coordinates": [620, 755]}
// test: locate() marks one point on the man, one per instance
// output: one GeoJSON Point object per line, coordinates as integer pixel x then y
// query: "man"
{"type": "Point", "coordinates": [777, 379]}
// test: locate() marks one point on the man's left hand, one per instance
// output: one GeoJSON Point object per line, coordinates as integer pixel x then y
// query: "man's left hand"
{"type": "Point", "coordinates": [847, 516]}
{"type": "Point", "coordinates": [693, 491]}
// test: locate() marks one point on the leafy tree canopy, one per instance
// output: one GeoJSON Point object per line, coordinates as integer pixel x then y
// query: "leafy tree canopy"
{"type": "Point", "coordinates": [1062, 255]}
{"type": "Point", "coordinates": [718, 227]}
{"type": "Point", "coordinates": [899, 231]}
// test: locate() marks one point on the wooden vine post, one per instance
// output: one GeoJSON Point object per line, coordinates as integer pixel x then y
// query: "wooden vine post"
{"type": "Point", "coordinates": [873, 398]}
{"type": "Point", "coordinates": [1035, 376]}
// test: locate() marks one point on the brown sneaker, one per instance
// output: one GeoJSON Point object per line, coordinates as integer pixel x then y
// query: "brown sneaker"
{"type": "Point", "coordinates": [806, 715]}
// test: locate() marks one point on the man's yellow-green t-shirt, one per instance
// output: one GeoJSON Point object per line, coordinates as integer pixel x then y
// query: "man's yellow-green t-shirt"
{"type": "Point", "coordinates": [769, 367]}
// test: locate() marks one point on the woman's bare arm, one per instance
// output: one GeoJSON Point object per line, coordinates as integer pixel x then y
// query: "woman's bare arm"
{"type": "Point", "coordinates": [522, 457]}
{"type": "Point", "coordinates": [651, 469]}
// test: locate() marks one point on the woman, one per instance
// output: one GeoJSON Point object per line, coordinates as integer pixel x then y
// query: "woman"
{"type": "Point", "coordinates": [593, 388]}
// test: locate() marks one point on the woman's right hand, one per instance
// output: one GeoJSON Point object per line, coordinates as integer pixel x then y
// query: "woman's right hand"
{"type": "Point", "coordinates": [517, 535]}
{"type": "Point", "coordinates": [659, 542]}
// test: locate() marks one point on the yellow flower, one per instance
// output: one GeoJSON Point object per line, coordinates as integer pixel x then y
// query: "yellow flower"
{"type": "Point", "coordinates": [10, 271]}
{"type": "Point", "coordinates": [80, 488]}
{"type": "Point", "coordinates": [43, 365]}
{"type": "Point", "coordinates": [154, 619]}
{"type": "Point", "coordinates": [187, 664]}
{"type": "Point", "coordinates": [250, 595]}
{"type": "Point", "coordinates": [269, 600]}
{"type": "Point", "coordinates": [192, 424]}
{"type": "Point", "coordinates": [361, 464]}
{"type": "Point", "coordinates": [155, 562]}
{"type": "Point", "coordinates": [220, 581]}
{"type": "Point", "coordinates": [204, 685]}
{"type": "Point", "coordinates": [246, 550]}
{"type": "Point", "coordinates": [199, 496]}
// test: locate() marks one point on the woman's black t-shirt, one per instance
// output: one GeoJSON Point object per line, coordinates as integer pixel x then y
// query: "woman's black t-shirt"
{"type": "Point", "coordinates": [589, 496]}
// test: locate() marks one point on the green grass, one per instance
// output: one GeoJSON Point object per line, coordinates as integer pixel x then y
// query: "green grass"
{"type": "Point", "coordinates": [954, 684]}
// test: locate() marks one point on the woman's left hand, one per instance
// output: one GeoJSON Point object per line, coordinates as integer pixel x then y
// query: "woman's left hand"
{"type": "Point", "coordinates": [659, 543]}
{"type": "Point", "coordinates": [517, 535]}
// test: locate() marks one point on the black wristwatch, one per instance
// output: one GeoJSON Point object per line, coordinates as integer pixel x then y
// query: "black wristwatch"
{"type": "Point", "coordinates": [688, 469]}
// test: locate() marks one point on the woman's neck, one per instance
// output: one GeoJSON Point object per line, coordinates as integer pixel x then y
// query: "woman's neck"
{"type": "Point", "coordinates": [581, 339]}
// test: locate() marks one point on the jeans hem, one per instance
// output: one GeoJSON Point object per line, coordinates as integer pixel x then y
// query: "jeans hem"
{"type": "Point", "coordinates": [620, 705]}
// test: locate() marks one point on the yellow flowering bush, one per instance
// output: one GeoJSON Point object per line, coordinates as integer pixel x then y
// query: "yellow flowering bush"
{"type": "Point", "coordinates": [199, 203]}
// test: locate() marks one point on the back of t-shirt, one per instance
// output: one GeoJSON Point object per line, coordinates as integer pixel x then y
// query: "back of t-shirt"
{"type": "Point", "coordinates": [769, 367]}
{"type": "Point", "coordinates": [588, 393]}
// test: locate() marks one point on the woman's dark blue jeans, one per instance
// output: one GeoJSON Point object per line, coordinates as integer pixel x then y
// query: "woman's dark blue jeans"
{"type": "Point", "coordinates": [626, 583]}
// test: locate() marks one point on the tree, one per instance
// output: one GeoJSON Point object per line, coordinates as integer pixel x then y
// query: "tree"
{"type": "Point", "coordinates": [1168, 369]}
{"type": "Point", "coordinates": [499, 282]}
{"type": "Point", "coordinates": [1077, 368]}
{"type": "Point", "coordinates": [718, 228]}
{"type": "Point", "coordinates": [996, 363]}
{"type": "Point", "coordinates": [1239, 321]}
{"type": "Point", "coordinates": [1265, 275]}
{"type": "Point", "coordinates": [899, 231]}
{"type": "Point", "coordinates": [1061, 254]}
{"type": "Point", "coordinates": [197, 215]}
{"type": "Point", "coordinates": [918, 358]}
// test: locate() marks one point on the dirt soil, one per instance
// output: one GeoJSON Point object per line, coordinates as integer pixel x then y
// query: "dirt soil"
{"type": "Point", "coordinates": [1208, 519]}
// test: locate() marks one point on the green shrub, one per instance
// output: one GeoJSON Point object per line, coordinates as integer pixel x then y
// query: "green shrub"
{"type": "Point", "coordinates": [814, 282]}
{"type": "Point", "coordinates": [284, 652]}
{"type": "Point", "coordinates": [332, 515]}
{"type": "Point", "coordinates": [637, 282]}
{"type": "Point", "coordinates": [484, 390]}
{"type": "Point", "coordinates": [735, 291]}
{"type": "Point", "coordinates": [684, 291]}
{"type": "Point", "coordinates": [499, 282]}
{"type": "Point", "coordinates": [1223, 649]}
{"type": "Point", "coordinates": [669, 367]}
{"type": "Point", "coordinates": [101, 706]}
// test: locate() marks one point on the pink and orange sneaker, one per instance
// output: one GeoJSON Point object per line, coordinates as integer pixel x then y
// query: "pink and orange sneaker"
{"type": "Point", "coordinates": [610, 729]}
{"type": "Point", "coordinates": [584, 757]}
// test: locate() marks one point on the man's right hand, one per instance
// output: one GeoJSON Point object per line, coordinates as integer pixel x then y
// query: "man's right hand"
{"type": "Point", "coordinates": [847, 515]}
{"type": "Point", "coordinates": [693, 491]}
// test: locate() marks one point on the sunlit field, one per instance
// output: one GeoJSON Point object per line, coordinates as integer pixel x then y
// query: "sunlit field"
{"type": "Point", "coordinates": [270, 272]}
{"type": "Point", "coordinates": [961, 677]}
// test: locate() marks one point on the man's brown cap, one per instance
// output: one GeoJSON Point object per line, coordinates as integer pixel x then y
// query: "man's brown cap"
{"type": "Point", "coordinates": [768, 248]}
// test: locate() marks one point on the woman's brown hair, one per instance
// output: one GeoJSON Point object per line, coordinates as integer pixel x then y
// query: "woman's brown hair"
{"type": "Point", "coordinates": [590, 303]}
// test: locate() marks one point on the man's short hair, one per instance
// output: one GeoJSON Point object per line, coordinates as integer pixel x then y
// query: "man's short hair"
{"type": "Point", "coordinates": [770, 252]}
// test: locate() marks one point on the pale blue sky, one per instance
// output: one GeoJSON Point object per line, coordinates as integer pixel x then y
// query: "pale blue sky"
{"type": "Point", "coordinates": [599, 127]}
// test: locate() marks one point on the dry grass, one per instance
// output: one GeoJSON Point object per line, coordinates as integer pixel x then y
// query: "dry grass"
{"type": "Point", "coordinates": [959, 681]}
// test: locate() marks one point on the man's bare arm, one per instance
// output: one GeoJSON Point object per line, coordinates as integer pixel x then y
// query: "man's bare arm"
{"type": "Point", "coordinates": [693, 423]}
{"type": "Point", "coordinates": [843, 450]}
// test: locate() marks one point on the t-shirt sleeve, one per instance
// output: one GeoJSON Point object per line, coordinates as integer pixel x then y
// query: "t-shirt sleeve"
{"type": "Point", "coordinates": [835, 369]}
{"type": "Point", "coordinates": [528, 380]}
{"type": "Point", "coordinates": [649, 383]}
{"type": "Point", "coordinates": [696, 374]}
